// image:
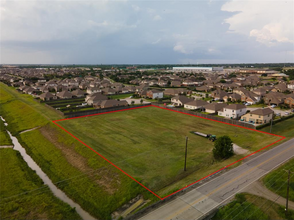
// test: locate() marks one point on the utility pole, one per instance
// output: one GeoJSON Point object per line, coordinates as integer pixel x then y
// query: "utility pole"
{"type": "Point", "coordinates": [186, 154]}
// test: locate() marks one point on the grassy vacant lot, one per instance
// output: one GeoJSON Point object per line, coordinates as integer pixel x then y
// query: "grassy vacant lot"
{"type": "Point", "coordinates": [284, 128]}
{"type": "Point", "coordinates": [85, 177]}
{"type": "Point", "coordinates": [4, 137]}
{"type": "Point", "coordinates": [148, 143]}
{"type": "Point", "coordinates": [251, 207]}
{"type": "Point", "coordinates": [17, 178]}
{"type": "Point", "coordinates": [277, 180]}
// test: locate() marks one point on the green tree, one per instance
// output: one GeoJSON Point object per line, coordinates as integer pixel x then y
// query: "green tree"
{"type": "Point", "coordinates": [223, 148]}
{"type": "Point", "coordinates": [141, 101]}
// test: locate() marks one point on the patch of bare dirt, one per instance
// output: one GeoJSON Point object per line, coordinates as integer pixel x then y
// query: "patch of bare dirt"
{"type": "Point", "coordinates": [104, 176]}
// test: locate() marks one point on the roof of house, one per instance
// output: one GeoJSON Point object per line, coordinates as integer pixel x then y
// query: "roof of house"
{"type": "Point", "coordinates": [215, 106]}
{"type": "Point", "coordinates": [197, 103]}
{"type": "Point", "coordinates": [46, 95]}
{"type": "Point", "coordinates": [182, 98]}
{"type": "Point", "coordinates": [262, 111]}
{"type": "Point", "coordinates": [64, 94]}
{"type": "Point", "coordinates": [235, 106]}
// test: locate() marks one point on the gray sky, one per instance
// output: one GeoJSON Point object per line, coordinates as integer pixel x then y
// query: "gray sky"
{"type": "Point", "coordinates": [146, 32]}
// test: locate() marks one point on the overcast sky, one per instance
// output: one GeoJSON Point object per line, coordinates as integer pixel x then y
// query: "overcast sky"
{"type": "Point", "coordinates": [146, 32]}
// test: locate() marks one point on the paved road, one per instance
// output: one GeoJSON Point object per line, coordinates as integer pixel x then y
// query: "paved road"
{"type": "Point", "coordinates": [200, 201]}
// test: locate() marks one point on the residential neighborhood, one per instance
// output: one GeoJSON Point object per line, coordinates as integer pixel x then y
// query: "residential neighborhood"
{"type": "Point", "coordinates": [232, 93]}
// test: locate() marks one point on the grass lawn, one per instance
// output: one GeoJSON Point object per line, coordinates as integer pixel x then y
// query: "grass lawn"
{"type": "Point", "coordinates": [22, 112]}
{"type": "Point", "coordinates": [16, 179]}
{"type": "Point", "coordinates": [97, 187]}
{"type": "Point", "coordinates": [148, 143]}
{"type": "Point", "coordinates": [284, 128]}
{"type": "Point", "coordinates": [4, 137]}
{"type": "Point", "coordinates": [276, 180]}
{"type": "Point", "coordinates": [121, 96]}
{"type": "Point", "coordinates": [251, 207]}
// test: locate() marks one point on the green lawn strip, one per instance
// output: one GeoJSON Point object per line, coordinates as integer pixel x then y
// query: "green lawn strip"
{"type": "Point", "coordinates": [4, 137]}
{"type": "Point", "coordinates": [17, 178]}
{"type": "Point", "coordinates": [149, 143]}
{"type": "Point", "coordinates": [276, 180]}
{"type": "Point", "coordinates": [120, 96]}
{"type": "Point", "coordinates": [21, 116]}
{"type": "Point", "coordinates": [10, 93]}
{"type": "Point", "coordinates": [284, 128]}
{"type": "Point", "coordinates": [92, 190]}
{"type": "Point", "coordinates": [251, 207]}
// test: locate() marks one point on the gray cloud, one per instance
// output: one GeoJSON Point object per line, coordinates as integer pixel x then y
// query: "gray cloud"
{"type": "Point", "coordinates": [95, 32]}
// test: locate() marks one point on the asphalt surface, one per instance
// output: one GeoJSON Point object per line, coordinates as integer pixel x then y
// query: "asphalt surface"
{"type": "Point", "coordinates": [212, 194]}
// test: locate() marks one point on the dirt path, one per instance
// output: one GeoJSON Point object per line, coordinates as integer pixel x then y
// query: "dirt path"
{"type": "Point", "coordinates": [257, 188]}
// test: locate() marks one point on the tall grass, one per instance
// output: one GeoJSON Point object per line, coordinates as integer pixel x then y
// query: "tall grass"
{"type": "Point", "coordinates": [17, 179]}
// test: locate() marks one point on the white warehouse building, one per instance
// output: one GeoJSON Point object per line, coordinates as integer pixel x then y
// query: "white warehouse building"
{"type": "Point", "coordinates": [197, 69]}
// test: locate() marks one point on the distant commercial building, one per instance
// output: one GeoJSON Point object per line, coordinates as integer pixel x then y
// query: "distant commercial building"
{"type": "Point", "coordinates": [197, 69]}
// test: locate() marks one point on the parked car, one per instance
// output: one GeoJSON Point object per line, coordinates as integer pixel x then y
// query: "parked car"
{"type": "Point", "coordinates": [287, 113]}
{"type": "Point", "coordinates": [273, 106]}
{"type": "Point", "coordinates": [247, 103]}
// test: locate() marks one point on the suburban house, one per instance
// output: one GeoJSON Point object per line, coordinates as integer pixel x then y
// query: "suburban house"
{"type": "Point", "coordinates": [219, 94]}
{"type": "Point", "coordinates": [275, 98]}
{"type": "Point", "coordinates": [173, 92]}
{"type": "Point", "coordinates": [176, 83]}
{"type": "Point", "coordinates": [153, 94]}
{"type": "Point", "coordinates": [95, 98]}
{"type": "Point", "coordinates": [64, 95]}
{"type": "Point", "coordinates": [180, 100]}
{"type": "Point", "coordinates": [78, 93]}
{"type": "Point", "coordinates": [258, 116]}
{"type": "Point", "coordinates": [91, 90]}
{"type": "Point", "coordinates": [47, 96]}
{"type": "Point", "coordinates": [214, 107]}
{"type": "Point", "coordinates": [290, 100]}
{"type": "Point", "coordinates": [232, 97]}
{"type": "Point", "coordinates": [233, 111]}
{"type": "Point", "coordinates": [195, 104]}
{"type": "Point", "coordinates": [112, 103]}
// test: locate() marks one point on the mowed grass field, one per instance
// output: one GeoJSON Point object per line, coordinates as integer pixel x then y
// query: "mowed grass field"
{"type": "Point", "coordinates": [149, 144]}
{"type": "Point", "coordinates": [38, 203]}
{"type": "Point", "coordinates": [99, 188]}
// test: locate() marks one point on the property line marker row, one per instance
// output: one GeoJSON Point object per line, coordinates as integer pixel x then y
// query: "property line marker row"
{"type": "Point", "coordinates": [162, 198]}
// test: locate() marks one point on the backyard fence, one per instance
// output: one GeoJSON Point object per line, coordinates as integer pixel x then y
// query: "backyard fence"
{"type": "Point", "coordinates": [225, 120]}
{"type": "Point", "coordinates": [102, 110]}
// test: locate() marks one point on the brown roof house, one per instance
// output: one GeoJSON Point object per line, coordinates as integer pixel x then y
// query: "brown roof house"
{"type": "Point", "coordinates": [47, 96]}
{"type": "Point", "coordinates": [113, 103]}
{"type": "Point", "coordinates": [232, 97]}
{"type": "Point", "coordinates": [78, 93]}
{"type": "Point", "coordinates": [258, 116]}
{"type": "Point", "coordinates": [233, 111]}
{"type": "Point", "coordinates": [91, 100]}
{"type": "Point", "coordinates": [64, 95]}
{"type": "Point", "coordinates": [195, 104]}
{"type": "Point", "coordinates": [274, 98]}
{"type": "Point", "coordinates": [290, 100]}
{"type": "Point", "coordinates": [214, 107]}
{"type": "Point", "coordinates": [219, 94]}
{"type": "Point", "coordinates": [180, 100]}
